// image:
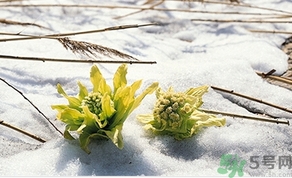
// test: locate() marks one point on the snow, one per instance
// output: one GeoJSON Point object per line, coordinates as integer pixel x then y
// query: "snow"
{"type": "Point", "coordinates": [188, 54]}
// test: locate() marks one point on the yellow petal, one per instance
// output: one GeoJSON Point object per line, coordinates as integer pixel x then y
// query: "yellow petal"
{"type": "Point", "coordinates": [73, 101]}
{"type": "Point", "coordinates": [115, 135]}
{"type": "Point", "coordinates": [145, 118]}
{"type": "Point", "coordinates": [148, 90]}
{"type": "Point", "coordinates": [107, 107]}
{"type": "Point", "coordinates": [119, 79]}
{"type": "Point", "coordinates": [99, 83]}
{"type": "Point", "coordinates": [82, 91]}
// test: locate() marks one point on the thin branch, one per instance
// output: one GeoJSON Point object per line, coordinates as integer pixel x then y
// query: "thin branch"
{"type": "Point", "coordinates": [247, 117]}
{"type": "Point", "coordinates": [54, 36]}
{"type": "Point", "coordinates": [22, 131]}
{"type": "Point", "coordinates": [251, 98]}
{"type": "Point", "coordinates": [72, 60]}
{"type": "Point", "coordinates": [269, 31]}
{"type": "Point", "coordinates": [136, 8]}
{"type": "Point", "coordinates": [32, 105]}
{"type": "Point", "coordinates": [281, 79]}
{"type": "Point", "coordinates": [240, 21]}
{"type": "Point", "coordinates": [151, 7]}
{"type": "Point", "coordinates": [240, 5]}
{"type": "Point", "coordinates": [11, 22]}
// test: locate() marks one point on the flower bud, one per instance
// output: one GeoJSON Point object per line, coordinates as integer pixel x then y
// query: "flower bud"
{"type": "Point", "coordinates": [93, 102]}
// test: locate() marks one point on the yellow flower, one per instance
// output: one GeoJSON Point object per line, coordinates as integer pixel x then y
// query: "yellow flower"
{"type": "Point", "coordinates": [101, 112]}
{"type": "Point", "coordinates": [177, 114]}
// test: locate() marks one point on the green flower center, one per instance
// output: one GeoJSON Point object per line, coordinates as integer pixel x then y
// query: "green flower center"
{"type": "Point", "coordinates": [93, 101]}
{"type": "Point", "coordinates": [171, 107]}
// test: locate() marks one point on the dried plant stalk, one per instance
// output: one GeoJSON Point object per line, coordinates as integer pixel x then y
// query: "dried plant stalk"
{"type": "Point", "coordinates": [241, 21]}
{"type": "Point", "coordinates": [241, 5]}
{"type": "Point", "coordinates": [22, 131]}
{"type": "Point", "coordinates": [237, 1]}
{"type": "Point", "coordinates": [31, 104]}
{"type": "Point", "coordinates": [11, 22]}
{"type": "Point", "coordinates": [148, 2]}
{"type": "Point", "coordinates": [269, 31]}
{"type": "Point", "coordinates": [281, 79]}
{"type": "Point", "coordinates": [278, 121]}
{"type": "Point", "coordinates": [58, 35]}
{"type": "Point", "coordinates": [88, 49]}
{"type": "Point", "coordinates": [251, 98]}
{"type": "Point", "coordinates": [72, 60]}
{"type": "Point", "coordinates": [137, 8]}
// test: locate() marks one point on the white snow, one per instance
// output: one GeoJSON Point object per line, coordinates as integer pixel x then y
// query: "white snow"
{"type": "Point", "coordinates": [188, 54]}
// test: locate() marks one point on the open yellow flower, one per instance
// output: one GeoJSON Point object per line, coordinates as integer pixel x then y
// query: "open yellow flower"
{"type": "Point", "coordinates": [101, 112]}
{"type": "Point", "coordinates": [177, 114]}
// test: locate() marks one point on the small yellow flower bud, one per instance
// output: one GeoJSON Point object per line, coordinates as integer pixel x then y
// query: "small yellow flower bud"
{"type": "Point", "coordinates": [175, 106]}
{"type": "Point", "coordinates": [168, 110]}
{"type": "Point", "coordinates": [187, 108]}
{"type": "Point", "coordinates": [93, 102]}
{"type": "Point", "coordinates": [164, 115]}
{"type": "Point", "coordinates": [175, 125]}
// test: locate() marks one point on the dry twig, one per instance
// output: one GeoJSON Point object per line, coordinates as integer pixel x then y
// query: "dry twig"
{"type": "Point", "coordinates": [31, 104]}
{"type": "Point", "coordinates": [55, 36]}
{"type": "Point", "coordinates": [11, 22]}
{"type": "Point", "coordinates": [247, 117]}
{"type": "Point", "coordinates": [240, 5]}
{"type": "Point", "coordinates": [151, 7]}
{"type": "Point", "coordinates": [73, 60]}
{"type": "Point", "coordinates": [241, 21]}
{"type": "Point", "coordinates": [251, 98]}
{"type": "Point", "coordinates": [269, 31]}
{"type": "Point", "coordinates": [281, 79]}
{"type": "Point", "coordinates": [142, 9]}
{"type": "Point", "coordinates": [22, 131]}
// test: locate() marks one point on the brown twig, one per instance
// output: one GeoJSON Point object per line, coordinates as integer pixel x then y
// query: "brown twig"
{"type": "Point", "coordinates": [54, 36]}
{"type": "Point", "coordinates": [137, 8]}
{"type": "Point", "coordinates": [240, 21]}
{"type": "Point", "coordinates": [240, 5]}
{"type": "Point", "coordinates": [281, 79]}
{"type": "Point", "coordinates": [11, 22]}
{"type": "Point", "coordinates": [251, 98]}
{"type": "Point", "coordinates": [247, 117]}
{"type": "Point", "coordinates": [22, 131]}
{"type": "Point", "coordinates": [31, 104]}
{"type": "Point", "coordinates": [73, 60]}
{"type": "Point", "coordinates": [269, 31]}
{"type": "Point", "coordinates": [141, 10]}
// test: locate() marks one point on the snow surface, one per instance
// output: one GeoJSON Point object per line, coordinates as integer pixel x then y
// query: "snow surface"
{"type": "Point", "coordinates": [188, 54]}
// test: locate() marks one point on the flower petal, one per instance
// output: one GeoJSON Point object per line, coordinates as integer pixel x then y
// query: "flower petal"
{"type": "Point", "coordinates": [82, 91]}
{"type": "Point", "coordinates": [116, 136]}
{"type": "Point", "coordinates": [107, 107]}
{"type": "Point", "coordinates": [71, 116]}
{"type": "Point", "coordinates": [73, 101]}
{"type": "Point", "coordinates": [98, 81]}
{"type": "Point", "coordinates": [119, 80]}
{"type": "Point", "coordinates": [196, 94]}
{"type": "Point", "coordinates": [148, 90]}
{"type": "Point", "coordinates": [145, 118]}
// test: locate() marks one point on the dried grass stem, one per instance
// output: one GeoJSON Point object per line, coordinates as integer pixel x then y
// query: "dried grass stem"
{"type": "Point", "coordinates": [22, 131]}
{"type": "Point", "coordinates": [278, 121]}
{"type": "Point", "coordinates": [55, 36]}
{"type": "Point", "coordinates": [241, 21]}
{"type": "Point", "coordinates": [73, 60]}
{"type": "Point", "coordinates": [251, 98]}
{"type": "Point", "coordinates": [31, 104]}
{"type": "Point", "coordinates": [281, 79]}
